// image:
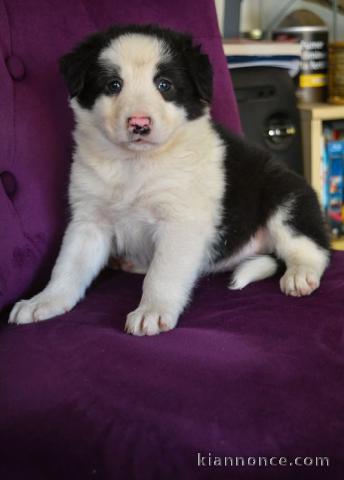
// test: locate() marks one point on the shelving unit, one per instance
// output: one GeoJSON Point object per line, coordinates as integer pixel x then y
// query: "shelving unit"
{"type": "Point", "coordinates": [312, 118]}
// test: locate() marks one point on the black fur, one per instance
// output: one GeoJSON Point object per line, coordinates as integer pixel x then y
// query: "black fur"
{"type": "Point", "coordinates": [189, 69]}
{"type": "Point", "coordinates": [255, 187]}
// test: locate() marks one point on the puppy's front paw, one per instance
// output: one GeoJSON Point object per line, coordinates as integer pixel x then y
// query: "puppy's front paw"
{"type": "Point", "coordinates": [299, 281]}
{"type": "Point", "coordinates": [39, 307]}
{"type": "Point", "coordinates": [149, 320]}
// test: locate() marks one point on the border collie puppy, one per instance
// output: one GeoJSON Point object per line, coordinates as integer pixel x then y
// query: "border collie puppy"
{"type": "Point", "coordinates": [156, 182]}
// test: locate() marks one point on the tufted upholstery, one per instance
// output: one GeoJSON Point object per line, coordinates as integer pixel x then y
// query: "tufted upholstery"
{"type": "Point", "coordinates": [246, 373]}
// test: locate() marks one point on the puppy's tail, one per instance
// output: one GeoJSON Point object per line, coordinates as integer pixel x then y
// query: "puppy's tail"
{"type": "Point", "coordinates": [253, 269]}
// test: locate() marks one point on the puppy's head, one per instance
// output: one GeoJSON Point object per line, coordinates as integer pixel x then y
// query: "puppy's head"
{"type": "Point", "coordinates": [138, 84]}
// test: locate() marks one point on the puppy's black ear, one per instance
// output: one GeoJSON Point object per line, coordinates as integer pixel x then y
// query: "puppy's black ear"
{"type": "Point", "coordinates": [201, 72]}
{"type": "Point", "coordinates": [74, 65]}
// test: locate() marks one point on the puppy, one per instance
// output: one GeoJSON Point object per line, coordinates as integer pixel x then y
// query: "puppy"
{"type": "Point", "coordinates": [157, 182]}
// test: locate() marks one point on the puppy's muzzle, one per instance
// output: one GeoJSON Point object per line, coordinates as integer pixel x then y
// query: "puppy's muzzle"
{"type": "Point", "coordinates": [139, 125]}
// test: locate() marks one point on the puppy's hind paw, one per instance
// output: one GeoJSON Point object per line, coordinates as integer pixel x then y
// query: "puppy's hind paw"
{"type": "Point", "coordinates": [299, 281]}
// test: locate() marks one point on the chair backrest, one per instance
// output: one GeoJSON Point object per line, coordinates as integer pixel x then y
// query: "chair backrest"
{"type": "Point", "coordinates": [36, 123]}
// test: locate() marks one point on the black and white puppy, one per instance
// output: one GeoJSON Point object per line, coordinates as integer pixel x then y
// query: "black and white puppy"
{"type": "Point", "coordinates": [156, 182]}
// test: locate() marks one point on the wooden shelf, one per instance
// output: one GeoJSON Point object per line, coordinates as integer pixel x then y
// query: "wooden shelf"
{"type": "Point", "coordinates": [322, 111]}
{"type": "Point", "coordinates": [338, 243]}
{"type": "Point", "coordinates": [312, 117]}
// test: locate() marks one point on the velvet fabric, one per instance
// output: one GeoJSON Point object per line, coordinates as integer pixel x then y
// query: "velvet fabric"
{"type": "Point", "coordinates": [246, 373]}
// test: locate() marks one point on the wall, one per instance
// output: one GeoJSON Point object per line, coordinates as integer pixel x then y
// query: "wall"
{"type": "Point", "coordinates": [259, 13]}
{"type": "Point", "coordinates": [220, 9]}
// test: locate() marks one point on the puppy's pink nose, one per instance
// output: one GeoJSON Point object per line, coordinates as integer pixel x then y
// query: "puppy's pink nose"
{"type": "Point", "coordinates": [139, 121]}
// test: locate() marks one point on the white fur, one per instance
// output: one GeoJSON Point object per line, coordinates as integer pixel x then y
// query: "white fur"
{"type": "Point", "coordinates": [259, 243]}
{"type": "Point", "coordinates": [157, 204]}
{"type": "Point", "coordinates": [253, 269]}
{"type": "Point", "coordinates": [305, 261]}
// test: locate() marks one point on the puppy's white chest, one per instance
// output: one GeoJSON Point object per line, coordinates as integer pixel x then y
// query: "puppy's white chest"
{"type": "Point", "coordinates": [135, 217]}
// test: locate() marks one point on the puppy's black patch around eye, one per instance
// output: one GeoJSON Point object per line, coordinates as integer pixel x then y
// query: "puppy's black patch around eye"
{"type": "Point", "coordinates": [200, 71]}
{"type": "Point", "coordinates": [189, 92]}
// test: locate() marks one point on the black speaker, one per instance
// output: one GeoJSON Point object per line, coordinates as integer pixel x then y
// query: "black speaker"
{"type": "Point", "coordinates": [268, 112]}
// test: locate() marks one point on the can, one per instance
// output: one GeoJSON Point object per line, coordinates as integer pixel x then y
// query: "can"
{"type": "Point", "coordinates": [312, 80]}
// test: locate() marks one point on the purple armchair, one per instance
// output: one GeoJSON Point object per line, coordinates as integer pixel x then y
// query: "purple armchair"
{"type": "Point", "coordinates": [246, 373]}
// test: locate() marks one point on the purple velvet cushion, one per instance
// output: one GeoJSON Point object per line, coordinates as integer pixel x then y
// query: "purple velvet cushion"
{"type": "Point", "coordinates": [246, 373]}
{"type": "Point", "coordinates": [36, 124]}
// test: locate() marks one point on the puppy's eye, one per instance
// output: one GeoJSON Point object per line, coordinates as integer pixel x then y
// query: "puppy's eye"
{"type": "Point", "coordinates": [115, 86]}
{"type": "Point", "coordinates": [163, 85]}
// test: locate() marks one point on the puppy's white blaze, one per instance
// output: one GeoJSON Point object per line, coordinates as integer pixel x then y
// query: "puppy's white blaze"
{"type": "Point", "coordinates": [252, 270]}
{"type": "Point", "coordinates": [135, 50]}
